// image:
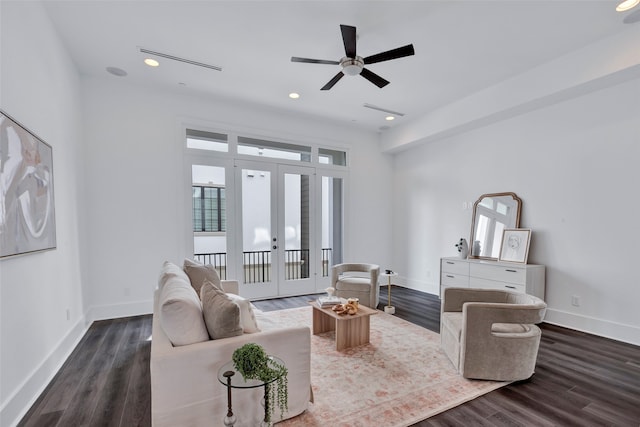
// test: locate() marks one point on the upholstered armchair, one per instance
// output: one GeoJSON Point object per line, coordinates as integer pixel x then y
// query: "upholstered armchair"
{"type": "Point", "coordinates": [349, 285]}
{"type": "Point", "coordinates": [491, 334]}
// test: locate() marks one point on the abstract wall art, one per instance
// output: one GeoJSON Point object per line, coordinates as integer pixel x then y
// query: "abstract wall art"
{"type": "Point", "coordinates": [27, 214]}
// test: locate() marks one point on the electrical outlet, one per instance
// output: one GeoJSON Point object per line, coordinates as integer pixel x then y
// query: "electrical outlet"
{"type": "Point", "coordinates": [575, 300]}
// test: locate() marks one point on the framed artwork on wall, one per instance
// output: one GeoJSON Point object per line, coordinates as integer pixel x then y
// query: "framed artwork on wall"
{"type": "Point", "coordinates": [515, 245]}
{"type": "Point", "coordinates": [27, 209]}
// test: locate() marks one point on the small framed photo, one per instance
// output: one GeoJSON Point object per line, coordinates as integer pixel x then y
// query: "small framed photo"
{"type": "Point", "coordinates": [515, 245]}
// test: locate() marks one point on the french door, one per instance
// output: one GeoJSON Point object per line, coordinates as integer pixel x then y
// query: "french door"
{"type": "Point", "coordinates": [277, 228]}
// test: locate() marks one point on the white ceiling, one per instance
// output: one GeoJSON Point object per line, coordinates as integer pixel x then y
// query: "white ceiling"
{"type": "Point", "coordinates": [461, 47]}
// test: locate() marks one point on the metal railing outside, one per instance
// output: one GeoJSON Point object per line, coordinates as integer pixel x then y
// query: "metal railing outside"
{"type": "Point", "coordinates": [218, 260]}
{"type": "Point", "coordinates": [256, 265]}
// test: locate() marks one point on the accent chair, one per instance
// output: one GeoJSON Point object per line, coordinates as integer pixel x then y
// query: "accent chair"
{"type": "Point", "coordinates": [491, 334]}
{"type": "Point", "coordinates": [349, 284]}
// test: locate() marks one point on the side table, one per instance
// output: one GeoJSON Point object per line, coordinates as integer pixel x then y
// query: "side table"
{"type": "Point", "coordinates": [389, 308]}
{"type": "Point", "coordinates": [231, 378]}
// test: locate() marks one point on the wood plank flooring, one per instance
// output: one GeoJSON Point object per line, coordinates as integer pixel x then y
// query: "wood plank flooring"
{"type": "Point", "coordinates": [580, 379]}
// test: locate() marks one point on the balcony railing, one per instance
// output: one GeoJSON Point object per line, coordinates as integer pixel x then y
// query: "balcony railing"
{"type": "Point", "coordinates": [218, 260]}
{"type": "Point", "coordinates": [256, 265]}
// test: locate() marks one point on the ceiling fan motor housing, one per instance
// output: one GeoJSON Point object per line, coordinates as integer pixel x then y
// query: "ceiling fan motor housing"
{"type": "Point", "coordinates": [352, 66]}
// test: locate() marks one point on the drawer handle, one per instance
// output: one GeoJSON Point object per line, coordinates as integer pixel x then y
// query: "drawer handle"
{"type": "Point", "coordinates": [451, 263]}
{"type": "Point", "coordinates": [450, 276]}
{"type": "Point", "coordinates": [511, 271]}
{"type": "Point", "coordinates": [510, 287]}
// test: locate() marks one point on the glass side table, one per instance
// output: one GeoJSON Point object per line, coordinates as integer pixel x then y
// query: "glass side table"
{"type": "Point", "coordinates": [231, 378]}
{"type": "Point", "coordinates": [389, 308]}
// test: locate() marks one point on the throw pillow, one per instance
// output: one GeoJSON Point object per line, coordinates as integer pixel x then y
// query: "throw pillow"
{"type": "Point", "coordinates": [221, 314]}
{"type": "Point", "coordinates": [181, 313]}
{"type": "Point", "coordinates": [247, 316]}
{"type": "Point", "coordinates": [198, 273]}
{"type": "Point", "coordinates": [169, 269]}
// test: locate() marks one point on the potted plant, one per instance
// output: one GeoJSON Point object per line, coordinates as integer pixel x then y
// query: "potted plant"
{"type": "Point", "coordinates": [254, 363]}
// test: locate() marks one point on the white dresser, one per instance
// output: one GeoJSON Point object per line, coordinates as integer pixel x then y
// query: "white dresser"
{"type": "Point", "coordinates": [477, 273]}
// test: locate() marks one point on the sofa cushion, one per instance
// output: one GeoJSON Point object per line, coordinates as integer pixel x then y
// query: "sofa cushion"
{"type": "Point", "coordinates": [199, 272]}
{"type": "Point", "coordinates": [247, 316]}
{"type": "Point", "coordinates": [181, 312]}
{"type": "Point", "coordinates": [169, 269]}
{"type": "Point", "coordinates": [221, 314]}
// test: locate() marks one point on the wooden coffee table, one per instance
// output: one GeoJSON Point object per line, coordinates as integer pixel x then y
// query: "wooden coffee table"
{"type": "Point", "coordinates": [351, 330]}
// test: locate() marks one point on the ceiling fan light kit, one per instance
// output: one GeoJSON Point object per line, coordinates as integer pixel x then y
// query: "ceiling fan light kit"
{"type": "Point", "coordinates": [626, 5]}
{"type": "Point", "coordinates": [352, 64]}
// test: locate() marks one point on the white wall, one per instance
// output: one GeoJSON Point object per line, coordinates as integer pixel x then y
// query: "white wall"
{"type": "Point", "coordinates": [575, 165]}
{"type": "Point", "coordinates": [39, 87]}
{"type": "Point", "coordinates": [137, 183]}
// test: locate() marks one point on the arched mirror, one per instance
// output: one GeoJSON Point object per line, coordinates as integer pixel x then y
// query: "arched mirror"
{"type": "Point", "coordinates": [492, 213]}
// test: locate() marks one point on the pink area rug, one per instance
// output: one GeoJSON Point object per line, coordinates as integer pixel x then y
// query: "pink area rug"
{"type": "Point", "coordinates": [399, 378]}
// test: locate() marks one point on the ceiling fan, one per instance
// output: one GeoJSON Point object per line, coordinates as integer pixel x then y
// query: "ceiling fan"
{"type": "Point", "coordinates": [352, 64]}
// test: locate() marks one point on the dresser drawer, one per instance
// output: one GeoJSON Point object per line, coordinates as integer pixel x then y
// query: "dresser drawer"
{"type": "Point", "coordinates": [502, 273]}
{"type": "Point", "coordinates": [475, 282]}
{"type": "Point", "coordinates": [454, 280]}
{"type": "Point", "coordinates": [454, 267]}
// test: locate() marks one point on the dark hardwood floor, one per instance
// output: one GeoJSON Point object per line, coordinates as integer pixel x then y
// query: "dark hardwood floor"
{"type": "Point", "coordinates": [580, 379]}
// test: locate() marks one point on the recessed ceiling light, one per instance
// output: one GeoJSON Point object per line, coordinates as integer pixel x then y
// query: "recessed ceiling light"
{"type": "Point", "coordinates": [626, 5]}
{"type": "Point", "coordinates": [151, 62]}
{"type": "Point", "coordinates": [389, 118]}
{"type": "Point", "coordinates": [116, 71]}
{"type": "Point", "coordinates": [294, 95]}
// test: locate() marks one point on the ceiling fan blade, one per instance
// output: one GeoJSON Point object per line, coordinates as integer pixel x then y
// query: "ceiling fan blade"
{"type": "Point", "coordinates": [390, 54]}
{"type": "Point", "coordinates": [313, 61]}
{"type": "Point", "coordinates": [349, 40]}
{"type": "Point", "coordinates": [333, 81]}
{"type": "Point", "coordinates": [374, 78]}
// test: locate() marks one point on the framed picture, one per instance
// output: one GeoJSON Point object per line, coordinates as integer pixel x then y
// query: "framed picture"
{"type": "Point", "coordinates": [27, 209]}
{"type": "Point", "coordinates": [515, 245]}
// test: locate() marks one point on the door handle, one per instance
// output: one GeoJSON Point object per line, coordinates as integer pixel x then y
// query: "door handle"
{"type": "Point", "coordinates": [275, 247]}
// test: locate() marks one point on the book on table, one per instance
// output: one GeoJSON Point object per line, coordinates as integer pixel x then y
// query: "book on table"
{"type": "Point", "coordinates": [328, 301]}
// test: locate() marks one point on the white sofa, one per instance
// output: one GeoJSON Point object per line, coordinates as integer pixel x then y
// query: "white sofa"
{"type": "Point", "coordinates": [185, 390]}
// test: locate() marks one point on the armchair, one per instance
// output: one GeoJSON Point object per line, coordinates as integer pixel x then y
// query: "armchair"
{"type": "Point", "coordinates": [366, 289]}
{"type": "Point", "coordinates": [491, 334]}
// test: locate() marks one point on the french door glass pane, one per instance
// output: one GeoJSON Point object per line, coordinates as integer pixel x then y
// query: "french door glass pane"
{"type": "Point", "coordinates": [296, 228]}
{"type": "Point", "coordinates": [256, 225]}
{"type": "Point", "coordinates": [209, 240]}
{"type": "Point", "coordinates": [331, 223]}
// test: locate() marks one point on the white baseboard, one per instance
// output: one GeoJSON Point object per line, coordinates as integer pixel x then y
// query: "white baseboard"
{"type": "Point", "coordinates": [591, 325]}
{"type": "Point", "coordinates": [418, 285]}
{"type": "Point", "coordinates": [21, 400]}
{"type": "Point", "coordinates": [114, 311]}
